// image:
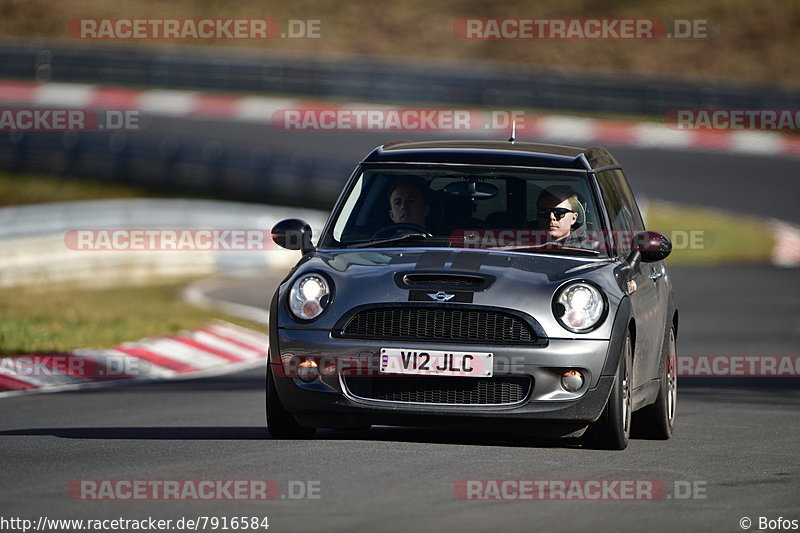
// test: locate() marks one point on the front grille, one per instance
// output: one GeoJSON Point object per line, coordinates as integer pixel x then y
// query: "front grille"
{"type": "Point", "coordinates": [441, 390]}
{"type": "Point", "coordinates": [436, 324]}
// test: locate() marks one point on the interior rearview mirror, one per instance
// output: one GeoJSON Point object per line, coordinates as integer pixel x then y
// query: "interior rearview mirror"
{"type": "Point", "coordinates": [477, 190]}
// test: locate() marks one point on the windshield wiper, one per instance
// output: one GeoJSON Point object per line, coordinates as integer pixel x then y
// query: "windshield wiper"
{"type": "Point", "coordinates": [407, 236]}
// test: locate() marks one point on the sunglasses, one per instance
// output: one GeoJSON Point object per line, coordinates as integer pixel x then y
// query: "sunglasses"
{"type": "Point", "coordinates": [559, 212]}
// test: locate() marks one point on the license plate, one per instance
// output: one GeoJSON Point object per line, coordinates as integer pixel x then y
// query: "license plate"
{"type": "Point", "coordinates": [436, 363]}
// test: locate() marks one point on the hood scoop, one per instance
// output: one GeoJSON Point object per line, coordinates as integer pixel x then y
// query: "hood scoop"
{"type": "Point", "coordinates": [443, 280]}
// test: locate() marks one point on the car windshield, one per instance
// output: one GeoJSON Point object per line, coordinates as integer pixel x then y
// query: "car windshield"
{"type": "Point", "coordinates": [467, 207]}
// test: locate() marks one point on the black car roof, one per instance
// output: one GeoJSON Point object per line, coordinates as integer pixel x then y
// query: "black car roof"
{"type": "Point", "coordinates": [493, 153]}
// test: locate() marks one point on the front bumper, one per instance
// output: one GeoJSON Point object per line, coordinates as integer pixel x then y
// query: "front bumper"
{"type": "Point", "coordinates": [327, 402]}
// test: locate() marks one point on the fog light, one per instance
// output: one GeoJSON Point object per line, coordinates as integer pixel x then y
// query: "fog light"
{"type": "Point", "coordinates": [572, 380]}
{"type": "Point", "coordinates": [307, 371]}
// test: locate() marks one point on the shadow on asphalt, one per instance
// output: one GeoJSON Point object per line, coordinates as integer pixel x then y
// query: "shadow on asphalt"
{"type": "Point", "coordinates": [416, 435]}
{"type": "Point", "coordinates": [147, 433]}
{"type": "Point", "coordinates": [375, 434]}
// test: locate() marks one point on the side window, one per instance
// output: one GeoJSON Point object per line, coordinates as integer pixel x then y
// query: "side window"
{"type": "Point", "coordinates": [628, 200]}
{"type": "Point", "coordinates": [621, 206]}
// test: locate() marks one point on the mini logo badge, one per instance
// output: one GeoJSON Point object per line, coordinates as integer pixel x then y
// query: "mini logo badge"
{"type": "Point", "coordinates": [441, 296]}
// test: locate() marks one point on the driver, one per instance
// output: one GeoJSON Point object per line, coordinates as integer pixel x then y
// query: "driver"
{"type": "Point", "coordinates": [409, 202]}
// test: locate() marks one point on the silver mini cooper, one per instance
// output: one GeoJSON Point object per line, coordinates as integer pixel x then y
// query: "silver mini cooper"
{"type": "Point", "coordinates": [477, 284]}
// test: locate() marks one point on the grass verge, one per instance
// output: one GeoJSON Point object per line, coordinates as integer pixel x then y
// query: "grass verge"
{"type": "Point", "coordinates": [20, 189]}
{"type": "Point", "coordinates": [707, 237]}
{"type": "Point", "coordinates": [63, 318]}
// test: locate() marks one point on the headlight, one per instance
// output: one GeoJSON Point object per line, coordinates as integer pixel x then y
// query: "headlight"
{"type": "Point", "coordinates": [579, 307]}
{"type": "Point", "coordinates": [309, 296]}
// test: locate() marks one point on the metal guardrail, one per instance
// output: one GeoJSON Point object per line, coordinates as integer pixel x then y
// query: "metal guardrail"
{"type": "Point", "coordinates": [33, 247]}
{"type": "Point", "coordinates": [166, 162]}
{"type": "Point", "coordinates": [377, 79]}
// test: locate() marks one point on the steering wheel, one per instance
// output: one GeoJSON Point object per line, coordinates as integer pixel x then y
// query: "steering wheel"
{"type": "Point", "coordinates": [390, 229]}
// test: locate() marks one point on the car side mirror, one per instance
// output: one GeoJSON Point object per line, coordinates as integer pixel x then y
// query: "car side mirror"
{"type": "Point", "coordinates": [293, 234]}
{"type": "Point", "coordinates": [652, 246]}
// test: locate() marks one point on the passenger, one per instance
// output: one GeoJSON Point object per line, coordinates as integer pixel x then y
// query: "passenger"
{"type": "Point", "coordinates": [557, 210]}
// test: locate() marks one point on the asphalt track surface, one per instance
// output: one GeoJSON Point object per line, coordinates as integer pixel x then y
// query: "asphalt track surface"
{"type": "Point", "coordinates": [736, 439]}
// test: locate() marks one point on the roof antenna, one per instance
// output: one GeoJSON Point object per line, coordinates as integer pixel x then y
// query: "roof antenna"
{"type": "Point", "coordinates": [513, 132]}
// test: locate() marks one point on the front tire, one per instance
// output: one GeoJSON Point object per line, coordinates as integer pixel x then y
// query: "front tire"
{"type": "Point", "coordinates": [612, 430]}
{"type": "Point", "coordinates": [656, 421]}
{"type": "Point", "coordinates": [281, 423]}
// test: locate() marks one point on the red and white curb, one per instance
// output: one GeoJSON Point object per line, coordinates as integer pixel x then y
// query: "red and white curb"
{"type": "Point", "coordinates": [552, 128]}
{"type": "Point", "coordinates": [217, 348]}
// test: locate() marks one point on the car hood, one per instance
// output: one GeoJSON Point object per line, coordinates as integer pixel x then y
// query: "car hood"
{"type": "Point", "coordinates": [524, 282]}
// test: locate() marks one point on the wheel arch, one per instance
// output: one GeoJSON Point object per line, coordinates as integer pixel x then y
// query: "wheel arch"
{"type": "Point", "coordinates": [632, 331]}
{"type": "Point", "coordinates": [623, 321]}
{"type": "Point", "coordinates": [675, 321]}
